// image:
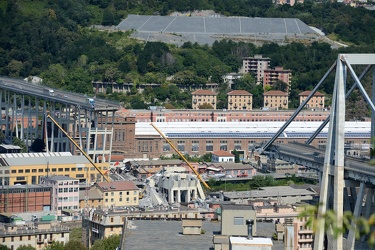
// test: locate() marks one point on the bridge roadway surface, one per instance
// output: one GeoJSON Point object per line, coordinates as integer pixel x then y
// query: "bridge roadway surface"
{"type": "Point", "coordinates": [355, 168]}
{"type": "Point", "coordinates": [60, 96]}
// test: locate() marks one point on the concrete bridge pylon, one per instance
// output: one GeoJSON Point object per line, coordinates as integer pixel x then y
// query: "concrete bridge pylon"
{"type": "Point", "coordinates": [332, 178]}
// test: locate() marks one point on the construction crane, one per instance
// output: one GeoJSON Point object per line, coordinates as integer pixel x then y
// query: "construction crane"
{"type": "Point", "coordinates": [181, 155]}
{"type": "Point", "coordinates": [79, 148]}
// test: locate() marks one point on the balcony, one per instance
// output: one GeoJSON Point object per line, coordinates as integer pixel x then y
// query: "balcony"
{"type": "Point", "coordinates": [305, 240]}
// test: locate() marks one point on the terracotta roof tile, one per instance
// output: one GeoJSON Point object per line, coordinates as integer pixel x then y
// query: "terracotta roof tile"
{"type": "Point", "coordinates": [276, 92]}
{"type": "Point", "coordinates": [116, 186]}
{"type": "Point", "coordinates": [203, 92]}
{"type": "Point", "coordinates": [239, 92]}
{"type": "Point", "coordinates": [306, 93]}
{"type": "Point", "coordinates": [222, 153]}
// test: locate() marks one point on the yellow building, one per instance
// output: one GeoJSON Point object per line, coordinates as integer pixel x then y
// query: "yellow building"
{"type": "Point", "coordinates": [40, 236]}
{"type": "Point", "coordinates": [119, 193]}
{"type": "Point", "coordinates": [203, 96]}
{"type": "Point", "coordinates": [28, 168]}
{"type": "Point", "coordinates": [240, 100]}
{"type": "Point", "coordinates": [94, 198]}
{"type": "Point", "coordinates": [315, 102]}
{"type": "Point", "coordinates": [275, 99]}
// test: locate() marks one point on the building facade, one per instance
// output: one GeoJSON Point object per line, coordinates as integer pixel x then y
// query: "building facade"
{"type": "Point", "coordinates": [30, 168]}
{"type": "Point", "coordinates": [240, 100]}
{"type": "Point", "coordinates": [222, 156]}
{"type": "Point", "coordinates": [201, 97]}
{"type": "Point", "coordinates": [65, 193]}
{"type": "Point", "coordinates": [315, 102]}
{"type": "Point", "coordinates": [256, 65]}
{"type": "Point", "coordinates": [201, 138]}
{"type": "Point", "coordinates": [25, 198]}
{"type": "Point", "coordinates": [233, 219]}
{"type": "Point", "coordinates": [161, 114]}
{"type": "Point", "coordinates": [119, 193]}
{"type": "Point", "coordinates": [275, 99]}
{"type": "Point", "coordinates": [271, 76]}
{"type": "Point", "coordinates": [38, 236]}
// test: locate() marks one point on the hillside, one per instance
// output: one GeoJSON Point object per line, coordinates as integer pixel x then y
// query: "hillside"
{"type": "Point", "coordinates": [52, 39]}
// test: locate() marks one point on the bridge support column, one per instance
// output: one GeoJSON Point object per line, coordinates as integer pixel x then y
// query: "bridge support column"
{"type": "Point", "coordinates": [334, 158]}
{"type": "Point", "coordinates": [356, 213]}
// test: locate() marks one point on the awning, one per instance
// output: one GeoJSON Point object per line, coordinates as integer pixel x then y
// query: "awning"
{"type": "Point", "coordinates": [68, 211]}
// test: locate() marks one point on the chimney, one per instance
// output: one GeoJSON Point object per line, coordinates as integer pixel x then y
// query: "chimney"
{"type": "Point", "coordinates": [249, 224]}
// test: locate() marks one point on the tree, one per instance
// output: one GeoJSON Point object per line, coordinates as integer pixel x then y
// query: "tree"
{"type": "Point", "coordinates": [206, 106]}
{"type": "Point", "coordinates": [75, 244]}
{"type": "Point", "coordinates": [56, 245]}
{"type": "Point", "coordinates": [3, 247]}
{"type": "Point", "coordinates": [21, 144]}
{"type": "Point", "coordinates": [24, 247]}
{"type": "Point", "coordinates": [109, 243]}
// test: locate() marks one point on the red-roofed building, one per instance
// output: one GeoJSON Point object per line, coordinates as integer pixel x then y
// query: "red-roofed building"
{"type": "Point", "coordinates": [118, 193]}
{"type": "Point", "coordinates": [240, 100]}
{"type": "Point", "coordinates": [275, 99]}
{"type": "Point", "coordinates": [316, 101]}
{"type": "Point", "coordinates": [203, 96]}
{"type": "Point", "coordinates": [222, 156]}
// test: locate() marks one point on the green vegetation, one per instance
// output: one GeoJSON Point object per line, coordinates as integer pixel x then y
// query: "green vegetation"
{"type": "Point", "coordinates": [256, 182]}
{"type": "Point", "coordinates": [361, 225]}
{"type": "Point", "coordinates": [55, 40]}
{"type": "Point", "coordinates": [108, 243]}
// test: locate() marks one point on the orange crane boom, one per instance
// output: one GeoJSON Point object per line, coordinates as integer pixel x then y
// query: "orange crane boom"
{"type": "Point", "coordinates": [79, 148]}
{"type": "Point", "coordinates": [181, 155]}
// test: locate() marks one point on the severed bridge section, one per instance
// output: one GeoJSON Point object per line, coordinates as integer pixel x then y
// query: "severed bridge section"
{"type": "Point", "coordinates": [24, 107]}
{"type": "Point", "coordinates": [347, 184]}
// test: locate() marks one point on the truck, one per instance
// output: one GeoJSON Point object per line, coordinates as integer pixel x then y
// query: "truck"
{"type": "Point", "coordinates": [50, 92]}
{"type": "Point", "coordinates": [91, 101]}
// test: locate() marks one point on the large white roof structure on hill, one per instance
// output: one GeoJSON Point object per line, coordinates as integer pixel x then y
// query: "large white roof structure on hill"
{"type": "Point", "coordinates": [207, 29]}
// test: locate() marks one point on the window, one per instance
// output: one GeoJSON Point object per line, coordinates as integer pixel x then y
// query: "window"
{"type": "Point", "coordinates": [223, 145]}
{"type": "Point", "coordinates": [112, 200]}
{"type": "Point", "coordinates": [209, 145]}
{"type": "Point", "coordinates": [238, 221]}
{"type": "Point", "coordinates": [112, 219]}
{"type": "Point", "coordinates": [195, 146]}
{"type": "Point", "coordinates": [181, 145]}
{"type": "Point", "coordinates": [166, 147]}
{"type": "Point", "coordinates": [40, 170]}
{"type": "Point", "coordinates": [20, 171]}
{"type": "Point", "coordinates": [237, 145]}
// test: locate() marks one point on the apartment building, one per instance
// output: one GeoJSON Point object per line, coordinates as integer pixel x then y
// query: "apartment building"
{"type": "Point", "coordinates": [315, 102]}
{"type": "Point", "coordinates": [201, 97]}
{"type": "Point", "coordinates": [240, 100]}
{"type": "Point", "coordinates": [93, 196]}
{"type": "Point", "coordinates": [25, 198]}
{"type": "Point", "coordinates": [119, 193]}
{"type": "Point", "coordinates": [275, 99]}
{"type": "Point", "coordinates": [65, 193]}
{"type": "Point", "coordinates": [38, 235]}
{"type": "Point", "coordinates": [255, 65]}
{"type": "Point", "coordinates": [29, 168]}
{"type": "Point", "coordinates": [101, 223]}
{"type": "Point", "coordinates": [271, 76]}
